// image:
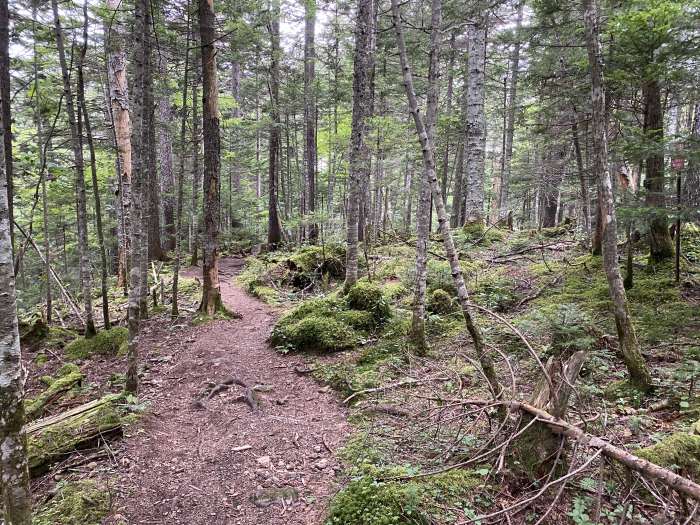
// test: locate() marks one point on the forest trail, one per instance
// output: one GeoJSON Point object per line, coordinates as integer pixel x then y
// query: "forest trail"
{"type": "Point", "coordinates": [220, 462]}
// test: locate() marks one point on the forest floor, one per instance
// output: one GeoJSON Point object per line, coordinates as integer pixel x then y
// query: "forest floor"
{"type": "Point", "coordinates": [196, 460]}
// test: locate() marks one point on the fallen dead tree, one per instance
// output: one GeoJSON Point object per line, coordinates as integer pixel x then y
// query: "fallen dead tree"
{"type": "Point", "coordinates": [53, 438]}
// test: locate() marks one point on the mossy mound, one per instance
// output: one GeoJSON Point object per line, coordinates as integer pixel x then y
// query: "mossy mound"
{"type": "Point", "coordinates": [332, 324]}
{"type": "Point", "coordinates": [679, 451]}
{"type": "Point", "coordinates": [421, 501]}
{"type": "Point", "coordinates": [75, 503]}
{"type": "Point", "coordinates": [440, 302]}
{"type": "Point", "coordinates": [369, 297]}
{"type": "Point", "coordinates": [316, 334]}
{"type": "Point", "coordinates": [623, 392]}
{"type": "Point", "coordinates": [33, 332]}
{"type": "Point", "coordinates": [106, 342]}
{"type": "Point", "coordinates": [67, 378]}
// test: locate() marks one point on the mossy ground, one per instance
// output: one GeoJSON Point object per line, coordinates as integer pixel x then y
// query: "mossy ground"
{"type": "Point", "coordinates": [67, 378]}
{"type": "Point", "coordinates": [106, 342]}
{"type": "Point", "coordinates": [82, 502]}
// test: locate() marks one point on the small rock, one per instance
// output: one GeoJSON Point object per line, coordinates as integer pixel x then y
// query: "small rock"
{"type": "Point", "coordinates": [317, 448]}
{"type": "Point", "coordinates": [264, 461]}
{"type": "Point", "coordinates": [321, 464]}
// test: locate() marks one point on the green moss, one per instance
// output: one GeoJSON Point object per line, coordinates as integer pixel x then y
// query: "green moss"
{"type": "Point", "coordinates": [323, 334]}
{"type": "Point", "coordinates": [357, 319]}
{"type": "Point", "coordinates": [220, 315]}
{"type": "Point", "coordinates": [59, 337]}
{"type": "Point", "coordinates": [41, 359]}
{"type": "Point", "coordinates": [50, 443]}
{"type": "Point", "coordinates": [265, 293]}
{"type": "Point", "coordinates": [680, 451]}
{"type": "Point", "coordinates": [440, 302]}
{"type": "Point", "coordinates": [75, 503]}
{"type": "Point", "coordinates": [67, 377]}
{"type": "Point", "coordinates": [106, 342]}
{"type": "Point", "coordinates": [369, 297]}
{"type": "Point", "coordinates": [367, 500]}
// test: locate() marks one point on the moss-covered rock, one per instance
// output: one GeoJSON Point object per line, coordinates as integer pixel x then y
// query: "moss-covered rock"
{"type": "Point", "coordinates": [440, 302]}
{"type": "Point", "coordinates": [106, 342]}
{"type": "Point", "coordinates": [357, 319]}
{"type": "Point", "coordinates": [67, 378]}
{"type": "Point", "coordinates": [82, 502]}
{"type": "Point", "coordinates": [313, 333]}
{"type": "Point", "coordinates": [680, 451]}
{"type": "Point", "coordinates": [369, 297]}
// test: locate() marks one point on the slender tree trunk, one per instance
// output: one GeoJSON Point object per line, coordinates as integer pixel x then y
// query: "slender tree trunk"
{"type": "Point", "coordinates": [211, 292]}
{"type": "Point", "coordinates": [582, 176]}
{"type": "Point", "coordinates": [692, 183]}
{"type": "Point", "coordinates": [119, 102]}
{"type": "Point", "coordinates": [629, 347]}
{"type": "Point", "coordinates": [332, 147]}
{"type": "Point", "coordinates": [14, 482]}
{"type": "Point", "coordinates": [359, 151]}
{"type": "Point", "coordinates": [510, 118]}
{"type": "Point", "coordinates": [82, 106]}
{"type": "Point", "coordinates": [76, 143]}
{"type": "Point", "coordinates": [424, 203]}
{"type": "Point", "coordinates": [274, 229]}
{"type": "Point", "coordinates": [174, 313]}
{"type": "Point", "coordinates": [429, 163]}
{"type": "Point", "coordinates": [475, 121]}
{"type": "Point", "coordinates": [196, 180]}
{"type": "Point", "coordinates": [5, 103]}
{"type": "Point", "coordinates": [310, 115]}
{"type": "Point", "coordinates": [42, 163]}
{"type": "Point", "coordinates": [456, 212]}
{"type": "Point", "coordinates": [448, 135]}
{"type": "Point", "coordinates": [408, 191]}
{"type": "Point", "coordinates": [660, 242]}
{"type": "Point", "coordinates": [167, 177]}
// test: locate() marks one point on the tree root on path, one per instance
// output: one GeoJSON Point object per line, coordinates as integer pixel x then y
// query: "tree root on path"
{"type": "Point", "coordinates": [250, 395]}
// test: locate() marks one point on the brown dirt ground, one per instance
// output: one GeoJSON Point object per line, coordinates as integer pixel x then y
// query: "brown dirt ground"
{"type": "Point", "coordinates": [215, 463]}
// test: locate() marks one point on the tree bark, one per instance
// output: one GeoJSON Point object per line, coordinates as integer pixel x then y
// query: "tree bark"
{"type": "Point", "coordinates": [424, 203]}
{"type": "Point", "coordinates": [475, 138]}
{"type": "Point", "coordinates": [196, 178]}
{"type": "Point", "coordinates": [310, 116]}
{"type": "Point", "coordinates": [274, 229]}
{"type": "Point", "coordinates": [429, 162]}
{"type": "Point", "coordinates": [5, 103]}
{"type": "Point", "coordinates": [510, 118]}
{"type": "Point", "coordinates": [660, 242]}
{"type": "Point", "coordinates": [211, 292]}
{"type": "Point", "coordinates": [82, 107]}
{"type": "Point", "coordinates": [76, 144]}
{"type": "Point", "coordinates": [174, 312]}
{"type": "Point", "coordinates": [14, 481]}
{"type": "Point", "coordinates": [167, 177]}
{"type": "Point", "coordinates": [359, 151]}
{"type": "Point", "coordinates": [119, 102]}
{"type": "Point", "coordinates": [629, 347]}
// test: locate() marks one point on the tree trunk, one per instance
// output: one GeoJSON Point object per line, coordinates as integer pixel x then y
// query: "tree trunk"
{"type": "Point", "coordinates": [692, 183]}
{"type": "Point", "coordinates": [119, 102]}
{"type": "Point", "coordinates": [274, 229]}
{"type": "Point", "coordinates": [82, 106]}
{"type": "Point", "coordinates": [310, 116]}
{"type": "Point", "coordinates": [76, 143]}
{"type": "Point", "coordinates": [429, 163]}
{"type": "Point", "coordinates": [660, 242]}
{"type": "Point", "coordinates": [629, 347]}
{"type": "Point", "coordinates": [42, 163]}
{"type": "Point", "coordinates": [475, 138]}
{"type": "Point", "coordinates": [14, 484]}
{"type": "Point", "coordinates": [196, 179]}
{"type": "Point", "coordinates": [155, 249]}
{"type": "Point", "coordinates": [456, 212]}
{"type": "Point", "coordinates": [5, 103]}
{"type": "Point", "coordinates": [359, 151]}
{"type": "Point", "coordinates": [408, 192]}
{"type": "Point", "coordinates": [510, 118]}
{"type": "Point", "coordinates": [167, 177]}
{"type": "Point", "coordinates": [174, 312]}
{"type": "Point", "coordinates": [582, 176]}
{"type": "Point", "coordinates": [424, 203]}
{"type": "Point", "coordinates": [211, 293]}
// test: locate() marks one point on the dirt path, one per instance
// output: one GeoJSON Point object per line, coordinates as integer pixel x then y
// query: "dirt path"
{"type": "Point", "coordinates": [224, 463]}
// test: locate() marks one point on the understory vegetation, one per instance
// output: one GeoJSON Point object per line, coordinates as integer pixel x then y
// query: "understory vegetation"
{"type": "Point", "coordinates": [411, 413]}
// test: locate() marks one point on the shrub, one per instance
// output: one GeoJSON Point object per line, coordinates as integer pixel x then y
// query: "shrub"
{"type": "Point", "coordinates": [369, 297]}
{"type": "Point", "coordinates": [106, 342]}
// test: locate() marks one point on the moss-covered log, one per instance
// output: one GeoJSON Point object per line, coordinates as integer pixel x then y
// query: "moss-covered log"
{"type": "Point", "coordinates": [68, 377]}
{"type": "Point", "coordinates": [52, 438]}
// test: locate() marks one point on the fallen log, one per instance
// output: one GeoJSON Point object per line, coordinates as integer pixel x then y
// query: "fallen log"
{"type": "Point", "coordinates": [68, 377]}
{"type": "Point", "coordinates": [53, 438]}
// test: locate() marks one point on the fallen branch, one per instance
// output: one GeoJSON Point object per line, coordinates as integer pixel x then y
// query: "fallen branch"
{"type": "Point", "coordinates": [390, 387]}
